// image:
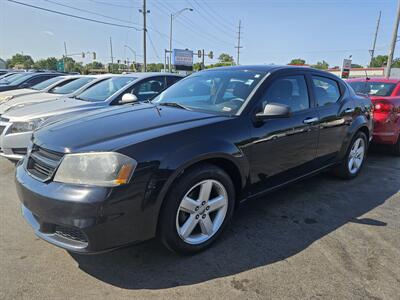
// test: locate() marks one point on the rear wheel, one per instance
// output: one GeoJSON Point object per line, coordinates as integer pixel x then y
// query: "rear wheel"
{"type": "Point", "coordinates": [197, 209]}
{"type": "Point", "coordinates": [355, 157]}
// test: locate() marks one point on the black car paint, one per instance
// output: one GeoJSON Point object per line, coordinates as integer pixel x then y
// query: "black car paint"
{"type": "Point", "coordinates": [29, 81]}
{"type": "Point", "coordinates": [260, 155]}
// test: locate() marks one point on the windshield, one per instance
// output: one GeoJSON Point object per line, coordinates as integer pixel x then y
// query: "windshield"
{"type": "Point", "coordinates": [71, 87]}
{"type": "Point", "coordinates": [13, 77]}
{"type": "Point", "coordinates": [46, 83]}
{"type": "Point", "coordinates": [373, 88]}
{"type": "Point", "coordinates": [104, 89]}
{"type": "Point", "coordinates": [221, 92]}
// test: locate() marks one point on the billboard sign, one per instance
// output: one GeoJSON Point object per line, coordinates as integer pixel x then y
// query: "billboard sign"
{"type": "Point", "coordinates": [182, 59]}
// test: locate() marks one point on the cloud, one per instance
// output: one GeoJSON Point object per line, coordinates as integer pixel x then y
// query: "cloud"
{"type": "Point", "coordinates": [48, 32]}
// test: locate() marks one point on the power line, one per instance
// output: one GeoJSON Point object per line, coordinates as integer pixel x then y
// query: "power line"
{"type": "Point", "coordinates": [220, 17]}
{"type": "Point", "coordinates": [72, 16]}
{"type": "Point", "coordinates": [113, 4]}
{"type": "Point", "coordinates": [89, 12]}
{"type": "Point", "coordinates": [154, 48]}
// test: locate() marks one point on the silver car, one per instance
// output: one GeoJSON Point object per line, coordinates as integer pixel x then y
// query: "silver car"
{"type": "Point", "coordinates": [69, 87]}
{"type": "Point", "coordinates": [17, 125]}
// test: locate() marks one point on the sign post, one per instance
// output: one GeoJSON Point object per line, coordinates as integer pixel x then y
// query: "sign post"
{"type": "Point", "coordinates": [346, 68]}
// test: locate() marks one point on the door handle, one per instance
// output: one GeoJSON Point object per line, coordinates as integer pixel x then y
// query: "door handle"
{"type": "Point", "coordinates": [349, 110]}
{"type": "Point", "coordinates": [310, 120]}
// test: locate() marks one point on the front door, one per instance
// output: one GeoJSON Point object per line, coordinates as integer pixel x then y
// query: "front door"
{"type": "Point", "coordinates": [284, 148]}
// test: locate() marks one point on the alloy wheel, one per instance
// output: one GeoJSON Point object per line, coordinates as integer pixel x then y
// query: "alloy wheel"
{"type": "Point", "coordinates": [356, 155]}
{"type": "Point", "coordinates": [202, 211]}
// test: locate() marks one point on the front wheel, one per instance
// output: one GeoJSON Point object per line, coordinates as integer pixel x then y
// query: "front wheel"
{"type": "Point", "coordinates": [355, 157]}
{"type": "Point", "coordinates": [197, 209]}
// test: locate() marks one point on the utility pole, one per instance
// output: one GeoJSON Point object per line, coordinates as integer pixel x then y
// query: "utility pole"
{"type": "Point", "coordinates": [112, 57]}
{"type": "Point", "coordinates": [376, 36]}
{"type": "Point", "coordinates": [65, 56]}
{"type": "Point", "coordinates": [144, 11]}
{"type": "Point", "coordinates": [238, 47]}
{"type": "Point", "coordinates": [393, 45]}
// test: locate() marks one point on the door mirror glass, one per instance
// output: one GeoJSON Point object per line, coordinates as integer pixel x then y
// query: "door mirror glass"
{"type": "Point", "coordinates": [128, 98]}
{"type": "Point", "coordinates": [274, 110]}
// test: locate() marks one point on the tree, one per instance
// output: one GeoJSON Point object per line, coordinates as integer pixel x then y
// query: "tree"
{"type": "Point", "coordinates": [46, 64]}
{"type": "Point", "coordinates": [297, 61]}
{"type": "Point", "coordinates": [322, 65]}
{"type": "Point", "coordinates": [226, 58]}
{"type": "Point", "coordinates": [379, 61]}
{"type": "Point", "coordinates": [19, 59]}
{"type": "Point", "coordinates": [356, 66]}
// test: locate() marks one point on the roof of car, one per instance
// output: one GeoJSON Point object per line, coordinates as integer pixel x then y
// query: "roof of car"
{"type": "Point", "coordinates": [262, 68]}
{"type": "Point", "coordinates": [375, 79]}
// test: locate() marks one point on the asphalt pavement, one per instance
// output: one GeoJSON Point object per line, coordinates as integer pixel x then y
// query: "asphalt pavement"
{"type": "Point", "coordinates": [322, 238]}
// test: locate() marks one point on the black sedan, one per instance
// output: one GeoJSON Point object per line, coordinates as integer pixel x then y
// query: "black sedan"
{"type": "Point", "coordinates": [25, 80]}
{"type": "Point", "coordinates": [178, 167]}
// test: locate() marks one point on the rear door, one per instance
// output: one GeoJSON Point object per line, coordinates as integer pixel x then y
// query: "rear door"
{"type": "Point", "coordinates": [335, 109]}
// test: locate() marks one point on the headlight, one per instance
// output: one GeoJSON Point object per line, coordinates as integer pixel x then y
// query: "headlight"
{"type": "Point", "coordinates": [96, 168]}
{"type": "Point", "coordinates": [5, 99]}
{"type": "Point", "coordinates": [31, 125]}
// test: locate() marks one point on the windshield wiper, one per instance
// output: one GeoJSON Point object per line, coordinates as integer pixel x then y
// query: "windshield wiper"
{"type": "Point", "coordinates": [174, 104]}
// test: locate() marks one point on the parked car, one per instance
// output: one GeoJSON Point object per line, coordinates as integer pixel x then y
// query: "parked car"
{"type": "Point", "coordinates": [385, 95]}
{"type": "Point", "coordinates": [68, 89]}
{"type": "Point", "coordinates": [17, 124]}
{"type": "Point", "coordinates": [9, 74]}
{"type": "Point", "coordinates": [177, 166]}
{"type": "Point", "coordinates": [43, 86]}
{"type": "Point", "coordinates": [25, 80]}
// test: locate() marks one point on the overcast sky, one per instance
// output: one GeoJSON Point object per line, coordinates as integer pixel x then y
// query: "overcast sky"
{"type": "Point", "coordinates": [274, 31]}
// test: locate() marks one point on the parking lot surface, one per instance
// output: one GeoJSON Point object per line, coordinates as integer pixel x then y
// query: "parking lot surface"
{"type": "Point", "coordinates": [322, 238]}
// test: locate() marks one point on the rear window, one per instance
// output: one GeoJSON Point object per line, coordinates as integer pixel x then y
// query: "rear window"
{"type": "Point", "coordinates": [373, 88]}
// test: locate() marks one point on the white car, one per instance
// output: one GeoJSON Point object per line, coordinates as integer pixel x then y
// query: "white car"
{"type": "Point", "coordinates": [74, 85]}
{"type": "Point", "coordinates": [17, 125]}
{"type": "Point", "coordinates": [43, 87]}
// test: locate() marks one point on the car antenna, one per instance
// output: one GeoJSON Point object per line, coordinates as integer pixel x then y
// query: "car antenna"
{"type": "Point", "coordinates": [366, 75]}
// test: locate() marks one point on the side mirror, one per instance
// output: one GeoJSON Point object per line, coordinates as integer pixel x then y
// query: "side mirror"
{"type": "Point", "coordinates": [274, 111]}
{"type": "Point", "coordinates": [128, 98]}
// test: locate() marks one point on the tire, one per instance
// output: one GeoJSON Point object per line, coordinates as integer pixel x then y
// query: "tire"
{"type": "Point", "coordinates": [176, 214]}
{"type": "Point", "coordinates": [346, 169]}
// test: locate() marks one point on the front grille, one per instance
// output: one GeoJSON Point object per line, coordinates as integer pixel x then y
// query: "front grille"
{"type": "Point", "coordinates": [19, 151]}
{"type": "Point", "coordinates": [71, 233]}
{"type": "Point", "coordinates": [42, 163]}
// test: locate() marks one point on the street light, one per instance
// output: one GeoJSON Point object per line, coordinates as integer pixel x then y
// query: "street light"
{"type": "Point", "coordinates": [176, 14]}
{"type": "Point", "coordinates": [134, 54]}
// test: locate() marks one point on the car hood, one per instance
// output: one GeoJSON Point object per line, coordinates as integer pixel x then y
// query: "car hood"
{"type": "Point", "coordinates": [118, 126]}
{"type": "Point", "coordinates": [49, 108]}
{"type": "Point", "coordinates": [22, 100]}
{"type": "Point", "coordinates": [18, 92]}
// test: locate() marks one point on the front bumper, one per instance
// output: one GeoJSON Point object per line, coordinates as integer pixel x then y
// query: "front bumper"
{"type": "Point", "coordinates": [83, 219]}
{"type": "Point", "coordinates": [13, 145]}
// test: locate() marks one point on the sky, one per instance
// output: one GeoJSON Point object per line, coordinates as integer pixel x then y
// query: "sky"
{"type": "Point", "coordinates": [273, 31]}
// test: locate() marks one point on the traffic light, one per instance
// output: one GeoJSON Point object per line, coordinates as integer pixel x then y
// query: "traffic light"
{"type": "Point", "coordinates": [83, 54]}
{"type": "Point", "coordinates": [199, 53]}
{"type": "Point", "coordinates": [94, 55]}
{"type": "Point", "coordinates": [211, 55]}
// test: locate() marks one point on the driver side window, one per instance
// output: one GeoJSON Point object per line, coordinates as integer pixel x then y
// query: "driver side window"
{"type": "Point", "coordinates": [148, 88]}
{"type": "Point", "coordinates": [288, 90]}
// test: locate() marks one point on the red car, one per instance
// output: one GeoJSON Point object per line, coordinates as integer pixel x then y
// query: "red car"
{"type": "Point", "coordinates": [385, 95]}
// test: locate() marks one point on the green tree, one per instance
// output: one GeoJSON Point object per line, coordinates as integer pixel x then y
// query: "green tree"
{"type": "Point", "coordinates": [297, 61]}
{"type": "Point", "coordinates": [155, 67]}
{"type": "Point", "coordinates": [356, 66]}
{"type": "Point", "coordinates": [379, 61]}
{"type": "Point", "coordinates": [322, 65]}
{"type": "Point", "coordinates": [19, 59]}
{"type": "Point", "coordinates": [226, 58]}
{"type": "Point", "coordinates": [46, 64]}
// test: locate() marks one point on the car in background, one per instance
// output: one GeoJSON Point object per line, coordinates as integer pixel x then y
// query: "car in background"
{"type": "Point", "coordinates": [69, 89]}
{"type": "Point", "coordinates": [17, 124]}
{"type": "Point", "coordinates": [43, 86]}
{"type": "Point", "coordinates": [9, 74]}
{"type": "Point", "coordinates": [177, 167]}
{"type": "Point", "coordinates": [25, 80]}
{"type": "Point", "coordinates": [385, 95]}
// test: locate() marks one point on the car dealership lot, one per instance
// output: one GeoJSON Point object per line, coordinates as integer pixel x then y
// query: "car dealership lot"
{"type": "Point", "coordinates": [320, 238]}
